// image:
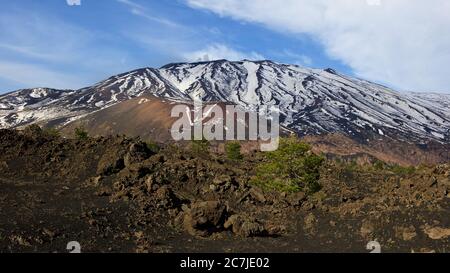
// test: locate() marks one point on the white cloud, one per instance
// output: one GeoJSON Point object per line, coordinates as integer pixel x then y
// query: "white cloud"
{"type": "Point", "coordinates": [218, 52]}
{"type": "Point", "coordinates": [402, 42]}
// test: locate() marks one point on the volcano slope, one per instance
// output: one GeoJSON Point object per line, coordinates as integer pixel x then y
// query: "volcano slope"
{"type": "Point", "coordinates": [149, 118]}
{"type": "Point", "coordinates": [118, 194]}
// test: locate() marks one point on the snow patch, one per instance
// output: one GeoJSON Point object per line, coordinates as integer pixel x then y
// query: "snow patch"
{"type": "Point", "coordinates": [252, 83]}
{"type": "Point", "coordinates": [144, 100]}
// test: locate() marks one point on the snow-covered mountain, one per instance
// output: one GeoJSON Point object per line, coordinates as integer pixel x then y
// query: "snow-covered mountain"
{"type": "Point", "coordinates": [312, 101]}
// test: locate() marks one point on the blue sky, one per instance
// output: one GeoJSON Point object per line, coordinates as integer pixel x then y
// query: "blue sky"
{"type": "Point", "coordinates": [49, 43]}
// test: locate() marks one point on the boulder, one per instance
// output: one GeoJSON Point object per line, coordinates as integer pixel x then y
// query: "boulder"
{"type": "Point", "coordinates": [165, 197]}
{"type": "Point", "coordinates": [437, 233]}
{"type": "Point", "coordinates": [111, 162]}
{"type": "Point", "coordinates": [150, 183]}
{"type": "Point", "coordinates": [297, 199]}
{"type": "Point", "coordinates": [258, 195]}
{"type": "Point", "coordinates": [367, 228]}
{"type": "Point", "coordinates": [221, 183]}
{"type": "Point", "coordinates": [204, 218]}
{"type": "Point", "coordinates": [137, 152]}
{"type": "Point", "coordinates": [310, 224]}
{"type": "Point", "coordinates": [405, 233]}
{"type": "Point", "coordinates": [245, 226]}
{"type": "Point", "coordinates": [222, 180]}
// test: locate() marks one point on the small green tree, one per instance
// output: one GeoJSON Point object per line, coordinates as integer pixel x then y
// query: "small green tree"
{"type": "Point", "coordinates": [81, 133]}
{"type": "Point", "coordinates": [200, 146]}
{"type": "Point", "coordinates": [291, 168]}
{"type": "Point", "coordinates": [233, 150]}
{"type": "Point", "coordinates": [379, 165]}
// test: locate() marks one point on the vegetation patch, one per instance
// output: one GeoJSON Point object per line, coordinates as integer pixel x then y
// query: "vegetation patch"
{"type": "Point", "coordinates": [233, 150]}
{"type": "Point", "coordinates": [81, 133]}
{"type": "Point", "coordinates": [291, 168]}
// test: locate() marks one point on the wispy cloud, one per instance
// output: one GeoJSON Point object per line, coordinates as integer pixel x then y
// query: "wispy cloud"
{"type": "Point", "coordinates": [48, 51]}
{"type": "Point", "coordinates": [131, 4]}
{"type": "Point", "coordinates": [35, 36]}
{"type": "Point", "coordinates": [143, 12]}
{"type": "Point", "coordinates": [29, 51]}
{"type": "Point", "coordinates": [30, 75]}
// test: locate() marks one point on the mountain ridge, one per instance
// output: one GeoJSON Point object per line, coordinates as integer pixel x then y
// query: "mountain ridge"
{"type": "Point", "coordinates": [311, 101]}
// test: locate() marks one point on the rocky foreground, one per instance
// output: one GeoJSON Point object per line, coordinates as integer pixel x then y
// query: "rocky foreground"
{"type": "Point", "coordinates": [116, 194]}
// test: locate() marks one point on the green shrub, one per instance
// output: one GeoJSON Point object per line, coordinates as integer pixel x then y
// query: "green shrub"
{"type": "Point", "coordinates": [52, 132]}
{"type": "Point", "coordinates": [200, 147]}
{"type": "Point", "coordinates": [233, 150]}
{"type": "Point", "coordinates": [153, 147]}
{"type": "Point", "coordinates": [291, 168]}
{"type": "Point", "coordinates": [395, 168]}
{"type": "Point", "coordinates": [379, 165]}
{"type": "Point", "coordinates": [400, 170]}
{"type": "Point", "coordinates": [81, 133]}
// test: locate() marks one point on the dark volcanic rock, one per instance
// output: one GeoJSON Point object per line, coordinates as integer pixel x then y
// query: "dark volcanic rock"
{"type": "Point", "coordinates": [203, 218]}
{"type": "Point", "coordinates": [51, 193]}
{"type": "Point", "coordinates": [245, 226]}
{"type": "Point", "coordinates": [137, 152]}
